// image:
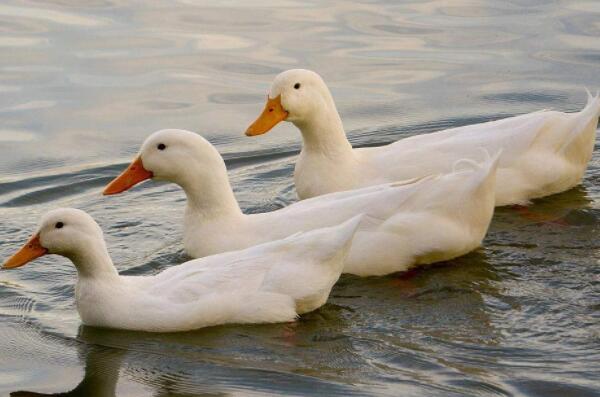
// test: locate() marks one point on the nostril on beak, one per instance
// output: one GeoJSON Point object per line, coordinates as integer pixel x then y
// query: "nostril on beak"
{"type": "Point", "coordinates": [271, 109]}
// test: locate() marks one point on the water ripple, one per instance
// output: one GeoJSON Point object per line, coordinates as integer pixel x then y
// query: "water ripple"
{"type": "Point", "coordinates": [85, 83]}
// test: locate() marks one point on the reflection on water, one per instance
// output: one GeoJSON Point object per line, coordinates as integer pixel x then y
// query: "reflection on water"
{"type": "Point", "coordinates": [101, 376]}
{"type": "Point", "coordinates": [81, 85]}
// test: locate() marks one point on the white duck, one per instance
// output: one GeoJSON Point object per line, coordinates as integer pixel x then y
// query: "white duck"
{"type": "Point", "coordinates": [543, 153]}
{"type": "Point", "coordinates": [414, 222]}
{"type": "Point", "coordinates": [273, 282]}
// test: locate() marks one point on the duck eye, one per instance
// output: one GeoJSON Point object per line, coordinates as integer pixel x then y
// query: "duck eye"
{"type": "Point", "coordinates": [297, 85]}
{"type": "Point", "coordinates": [59, 225]}
{"type": "Point", "coordinates": [161, 146]}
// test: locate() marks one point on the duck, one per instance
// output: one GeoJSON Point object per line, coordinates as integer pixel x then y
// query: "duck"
{"type": "Point", "coordinates": [268, 283]}
{"type": "Point", "coordinates": [544, 152]}
{"type": "Point", "coordinates": [407, 223]}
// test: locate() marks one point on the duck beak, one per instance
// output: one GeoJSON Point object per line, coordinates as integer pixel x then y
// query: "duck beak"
{"type": "Point", "coordinates": [31, 250]}
{"type": "Point", "coordinates": [271, 115]}
{"type": "Point", "coordinates": [133, 175]}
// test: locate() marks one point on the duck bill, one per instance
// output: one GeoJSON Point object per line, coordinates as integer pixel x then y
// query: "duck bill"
{"type": "Point", "coordinates": [31, 250]}
{"type": "Point", "coordinates": [269, 118]}
{"type": "Point", "coordinates": [133, 175]}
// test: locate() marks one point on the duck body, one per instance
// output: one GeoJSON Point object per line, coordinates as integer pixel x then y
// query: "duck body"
{"type": "Point", "coordinates": [409, 223]}
{"type": "Point", "coordinates": [540, 157]}
{"type": "Point", "coordinates": [256, 285]}
{"type": "Point", "coordinates": [543, 153]}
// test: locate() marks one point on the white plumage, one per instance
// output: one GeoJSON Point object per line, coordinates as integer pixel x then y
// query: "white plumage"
{"type": "Point", "coordinates": [414, 222]}
{"type": "Point", "coordinates": [256, 285]}
{"type": "Point", "coordinates": [544, 152]}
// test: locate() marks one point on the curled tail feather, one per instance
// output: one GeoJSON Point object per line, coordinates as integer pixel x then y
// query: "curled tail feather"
{"type": "Point", "coordinates": [477, 165]}
{"type": "Point", "coordinates": [587, 115]}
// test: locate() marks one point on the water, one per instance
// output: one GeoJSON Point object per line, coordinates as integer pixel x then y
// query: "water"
{"type": "Point", "coordinates": [83, 85]}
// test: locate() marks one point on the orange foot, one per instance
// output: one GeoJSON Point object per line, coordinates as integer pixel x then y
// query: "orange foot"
{"type": "Point", "coordinates": [526, 213]}
{"type": "Point", "coordinates": [404, 281]}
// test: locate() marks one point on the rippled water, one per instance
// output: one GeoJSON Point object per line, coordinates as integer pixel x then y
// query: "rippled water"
{"type": "Point", "coordinates": [82, 86]}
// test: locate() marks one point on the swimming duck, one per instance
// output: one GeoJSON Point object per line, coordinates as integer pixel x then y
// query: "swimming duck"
{"type": "Point", "coordinates": [409, 223]}
{"type": "Point", "coordinates": [272, 282]}
{"type": "Point", "coordinates": [544, 152]}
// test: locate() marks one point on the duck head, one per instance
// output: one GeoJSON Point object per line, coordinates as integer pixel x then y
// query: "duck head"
{"type": "Point", "coordinates": [177, 156]}
{"type": "Point", "coordinates": [188, 160]}
{"type": "Point", "coordinates": [66, 231]}
{"type": "Point", "coordinates": [299, 96]}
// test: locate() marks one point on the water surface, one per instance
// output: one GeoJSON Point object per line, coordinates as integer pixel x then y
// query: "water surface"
{"type": "Point", "coordinates": [82, 85]}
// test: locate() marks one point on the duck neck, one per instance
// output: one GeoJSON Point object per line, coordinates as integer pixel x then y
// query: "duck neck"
{"type": "Point", "coordinates": [323, 133]}
{"type": "Point", "coordinates": [94, 261]}
{"type": "Point", "coordinates": [209, 195]}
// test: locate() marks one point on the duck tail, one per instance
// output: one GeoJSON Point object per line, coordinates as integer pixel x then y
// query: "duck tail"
{"type": "Point", "coordinates": [593, 100]}
{"type": "Point", "coordinates": [335, 242]}
{"type": "Point", "coordinates": [488, 162]}
{"type": "Point", "coordinates": [484, 172]}
{"type": "Point", "coordinates": [345, 232]}
{"type": "Point", "coordinates": [584, 121]}
{"type": "Point", "coordinates": [592, 107]}
{"type": "Point", "coordinates": [468, 162]}
{"type": "Point", "coordinates": [494, 160]}
{"type": "Point", "coordinates": [327, 242]}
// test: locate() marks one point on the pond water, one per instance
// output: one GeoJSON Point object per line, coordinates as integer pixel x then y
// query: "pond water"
{"type": "Point", "coordinates": [82, 85]}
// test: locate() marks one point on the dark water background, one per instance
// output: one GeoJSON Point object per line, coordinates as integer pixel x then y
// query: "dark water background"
{"type": "Point", "coordinates": [83, 83]}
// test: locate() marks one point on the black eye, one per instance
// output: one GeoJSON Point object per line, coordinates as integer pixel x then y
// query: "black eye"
{"type": "Point", "coordinates": [161, 146]}
{"type": "Point", "coordinates": [59, 225]}
{"type": "Point", "coordinates": [297, 85]}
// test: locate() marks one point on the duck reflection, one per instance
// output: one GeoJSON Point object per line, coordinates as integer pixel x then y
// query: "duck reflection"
{"type": "Point", "coordinates": [102, 366]}
{"type": "Point", "coordinates": [563, 209]}
{"type": "Point", "coordinates": [104, 351]}
{"type": "Point", "coordinates": [445, 301]}
{"type": "Point", "coordinates": [199, 363]}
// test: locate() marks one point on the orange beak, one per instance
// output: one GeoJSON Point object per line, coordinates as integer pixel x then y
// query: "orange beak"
{"type": "Point", "coordinates": [271, 115]}
{"type": "Point", "coordinates": [133, 175]}
{"type": "Point", "coordinates": [31, 250]}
